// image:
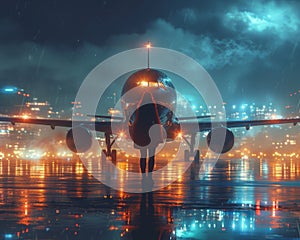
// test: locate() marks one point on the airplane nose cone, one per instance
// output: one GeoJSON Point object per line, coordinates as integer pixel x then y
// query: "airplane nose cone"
{"type": "Point", "coordinates": [147, 80]}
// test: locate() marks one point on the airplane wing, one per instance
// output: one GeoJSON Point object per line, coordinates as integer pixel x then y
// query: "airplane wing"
{"type": "Point", "coordinates": [106, 117]}
{"type": "Point", "coordinates": [100, 126]}
{"type": "Point", "coordinates": [196, 117]}
{"type": "Point", "coordinates": [105, 126]}
{"type": "Point", "coordinates": [218, 127]}
{"type": "Point", "coordinates": [206, 126]}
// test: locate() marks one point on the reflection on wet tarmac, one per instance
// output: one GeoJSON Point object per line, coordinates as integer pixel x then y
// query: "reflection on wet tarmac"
{"type": "Point", "coordinates": [239, 199]}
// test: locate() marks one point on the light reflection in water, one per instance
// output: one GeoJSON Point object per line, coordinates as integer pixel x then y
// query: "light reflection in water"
{"type": "Point", "coordinates": [57, 198]}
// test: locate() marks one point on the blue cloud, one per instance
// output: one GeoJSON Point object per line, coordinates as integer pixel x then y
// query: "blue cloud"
{"type": "Point", "coordinates": [279, 20]}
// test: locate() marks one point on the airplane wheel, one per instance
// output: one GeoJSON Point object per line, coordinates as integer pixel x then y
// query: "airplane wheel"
{"type": "Point", "coordinates": [186, 155]}
{"type": "Point", "coordinates": [103, 155]}
{"type": "Point", "coordinates": [114, 156]}
{"type": "Point", "coordinates": [197, 156]}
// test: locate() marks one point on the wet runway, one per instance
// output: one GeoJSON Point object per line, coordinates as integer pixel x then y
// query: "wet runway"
{"type": "Point", "coordinates": [239, 199]}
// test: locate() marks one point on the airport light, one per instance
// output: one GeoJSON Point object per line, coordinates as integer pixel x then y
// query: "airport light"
{"type": "Point", "coordinates": [121, 134]}
{"type": "Point", "coordinates": [25, 116]}
{"type": "Point", "coordinates": [8, 89]}
{"type": "Point", "coordinates": [148, 45]}
{"type": "Point", "coordinates": [179, 135]}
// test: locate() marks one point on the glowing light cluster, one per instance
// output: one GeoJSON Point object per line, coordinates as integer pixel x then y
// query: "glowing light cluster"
{"type": "Point", "coordinates": [9, 89]}
{"type": "Point", "coordinates": [144, 83]}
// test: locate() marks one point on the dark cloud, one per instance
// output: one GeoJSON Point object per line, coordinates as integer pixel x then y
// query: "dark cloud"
{"type": "Point", "coordinates": [250, 48]}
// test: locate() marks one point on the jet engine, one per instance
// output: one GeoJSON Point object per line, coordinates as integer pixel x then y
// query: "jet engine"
{"type": "Point", "coordinates": [82, 137]}
{"type": "Point", "coordinates": [220, 140]}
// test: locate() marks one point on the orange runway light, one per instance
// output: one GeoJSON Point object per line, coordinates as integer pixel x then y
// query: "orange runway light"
{"type": "Point", "coordinates": [122, 134]}
{"type": "Point", "coordinates": [179, 134]}
{"type": "Point", "coordinates": [25, 116]}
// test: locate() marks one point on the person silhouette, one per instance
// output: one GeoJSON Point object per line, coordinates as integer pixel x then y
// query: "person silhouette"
{"type": "Point", "coordinates": [147, 132]}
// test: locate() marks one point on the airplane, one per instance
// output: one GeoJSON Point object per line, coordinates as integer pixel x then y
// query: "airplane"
{"type": "Point", "coordinates": [155, 87]}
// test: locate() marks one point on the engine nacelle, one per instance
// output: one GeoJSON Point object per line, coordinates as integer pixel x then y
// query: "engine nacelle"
{"type": "Point", "coordinates": [217, 144]}
{"type": "Point", "coordinates": [82, 137]}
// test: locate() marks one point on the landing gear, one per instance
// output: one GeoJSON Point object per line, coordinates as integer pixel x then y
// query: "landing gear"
{"type": "Point", "coordinates": [197, 156]}
{"type": "Point", "coordinates": [109, 152]}
{"type": "Point", "coordinates": [114, 156]}
{"type": "Point", "coordinates": [190, 152]}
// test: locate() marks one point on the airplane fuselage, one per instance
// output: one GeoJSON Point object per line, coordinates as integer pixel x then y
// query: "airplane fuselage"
{"type": "Point", "coordinates": [149, 99]}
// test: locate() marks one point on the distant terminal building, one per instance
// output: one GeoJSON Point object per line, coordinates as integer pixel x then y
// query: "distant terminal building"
{"type": "Point", "coordinates": [75, 109]}
{"type": "Point", "coordinates": [234, 112]}
{"type": "Point", "coordinates": [292, 108]}
{"type": "Point", "coordinates": [37, 108]}
{"type": "Point", "coordinates": [253, 111]}
{"type": "Point", "coordinates": [41, 109]}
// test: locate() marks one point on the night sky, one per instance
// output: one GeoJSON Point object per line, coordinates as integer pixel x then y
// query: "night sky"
{"type": "Point", "coordinates": [250, 48]}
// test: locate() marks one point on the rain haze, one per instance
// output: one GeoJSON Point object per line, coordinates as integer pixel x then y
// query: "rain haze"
{"type": "Point", "coordinates": [128, 180]}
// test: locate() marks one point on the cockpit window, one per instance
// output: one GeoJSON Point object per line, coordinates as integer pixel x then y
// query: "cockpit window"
{"type": "Point", "coordinates": [150, 84]}
{"type": "Point", "coordinates": [167, 82]}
